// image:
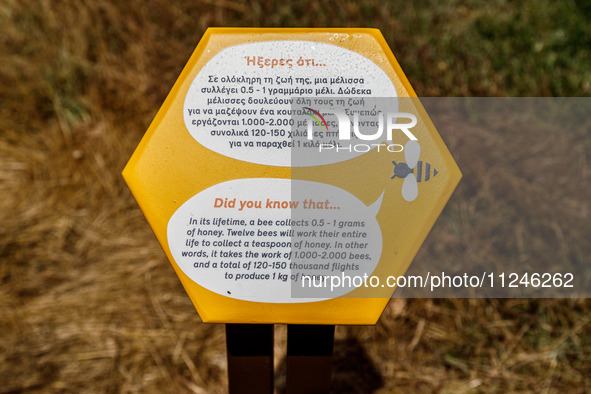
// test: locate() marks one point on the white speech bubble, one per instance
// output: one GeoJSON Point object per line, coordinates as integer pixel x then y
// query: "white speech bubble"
{"type": "Point", "coordinates": [248, 239]}
{"type": "Point", "coordinates": [240, 103]}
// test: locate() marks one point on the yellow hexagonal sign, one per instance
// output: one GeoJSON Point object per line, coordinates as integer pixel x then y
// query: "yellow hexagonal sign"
{"type": "Point", "coordinates": [290, 175]}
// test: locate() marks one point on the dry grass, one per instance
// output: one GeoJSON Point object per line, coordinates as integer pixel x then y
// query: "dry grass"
{"type": "Point", "coordinates": [89, 302]}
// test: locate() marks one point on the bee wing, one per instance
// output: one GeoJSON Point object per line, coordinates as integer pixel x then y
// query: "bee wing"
{"type": "Point", "coordinates": [412, 151]}
{"type": "Point", "coordinates": [410, 190]}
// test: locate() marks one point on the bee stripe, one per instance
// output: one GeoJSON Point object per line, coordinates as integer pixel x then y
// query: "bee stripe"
{"type": "Point", "coordinates": [419, 170]}
{"type": "Point", "coordinates": [427, 171]}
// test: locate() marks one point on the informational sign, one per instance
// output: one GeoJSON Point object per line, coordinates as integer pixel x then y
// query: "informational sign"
{"type": "Point", "coordinates": [289, 174]}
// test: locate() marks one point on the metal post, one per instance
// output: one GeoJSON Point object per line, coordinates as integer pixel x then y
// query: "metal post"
{"type": "Point", "coordinates": [250, 358]}
{"type": "Point", "coordinates": [309, 356]}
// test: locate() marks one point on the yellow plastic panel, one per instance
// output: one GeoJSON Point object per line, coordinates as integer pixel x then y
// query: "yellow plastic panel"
{"type": "Point", "coordinates": [186, 168]}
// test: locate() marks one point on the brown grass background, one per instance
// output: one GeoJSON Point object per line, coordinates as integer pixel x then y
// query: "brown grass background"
{"type": "Point", "coordinates": [89, 302]}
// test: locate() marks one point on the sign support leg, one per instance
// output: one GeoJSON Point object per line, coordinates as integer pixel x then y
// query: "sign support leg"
{"type": "Point", "coordinates": [309, 356]}
{"type": "Point", "coordinates": [250, 358]}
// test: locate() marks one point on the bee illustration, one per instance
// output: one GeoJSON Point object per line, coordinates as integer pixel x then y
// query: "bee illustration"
{"type": "Point", "coordinates": [410, 189]}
